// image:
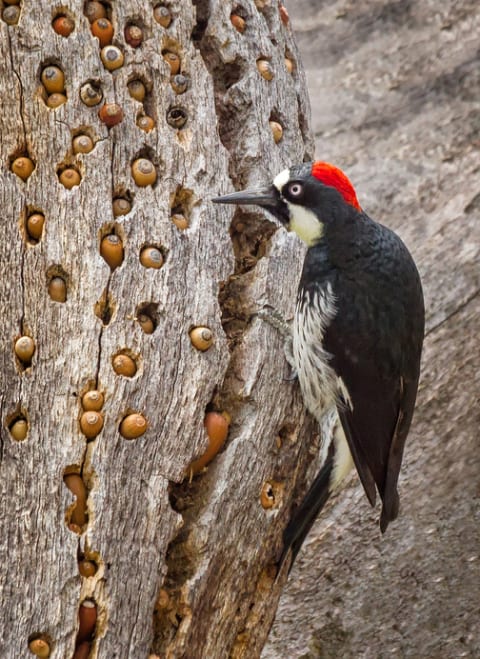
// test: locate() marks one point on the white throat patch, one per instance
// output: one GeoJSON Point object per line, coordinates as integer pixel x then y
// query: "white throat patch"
{"type": "Point", "coordinates": [303, 221]}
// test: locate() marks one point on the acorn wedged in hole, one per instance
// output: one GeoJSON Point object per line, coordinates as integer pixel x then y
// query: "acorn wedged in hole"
{"type": "Point", "coordinates": [75, 484]}
{"type": "Point", "coordinates": [277, 131]}
{"type": "Point", "coordinates": [267, 496]}
{"type": "Point", "coordinates": [133, 35]}
{"type": "Point", "coordinates": [35, 224]}
{"type": "Point", "coordinates": [53, 79]}
{"type": "Point", "coordinates": [82, 144]}
{"type": "Point", "coordinates": [103, 30]}
{"type": "Point", "coordinates": [91, 424]}
{"type": "Point", "coordinates": [90, 94]}
{"type": "Point", "coordinates": [40, 647]}
{"type": "Point", "coordinates": [55, 100]}
{"type": "Point", "coordinates": [144, 172]}
{"type": "Point", "coordinates": [173, 61]}
{"type": "Point", "coordinates": [69, 178]}
{"type": "Point", "coordinates": [151, 257]}
{"type": "Point", "coordinates": [23, 167]}
{"type": "Point", "coordinates": [111, 249]}
{"type": "Point", "coordinates": [162, 15]}
{"type": "Point", "coordinates": [63, 25]}
{"type": "Point", "coordinates": [110, 114]}
{"type": "Point", "coordinates": [92, 400]}
{"type": "Point", "coordinates": [124, 365]}
{"type": "Point", "coordinates": [201, 338]}
{"type": "Point", "coordinates": [145, 123]}
{"type": "Point", "coordinates": [180, 221]}
{"type": "Point", "coordinates": [137, 90]}
{"type": "Point", "coordinates": [82, 651]}
{"type": "Point", "coordinates": [112, 58]}
{"type": "Point", "coordinates": [18, 429]}
{"type": "Point", "coordinates": [24, 349]}
{"type": "Point", "coordinates": [87, 568]}
{"type": "Point", "coordinates": [179, 83]}
{"type": "Point", "coordinates": [133, 426]}
{"type": "Point", "coordinates": [146, 323]}
{"type": "Point", "coordinates": [121, 206]}
{"type": "Point", "coordinates": [216, 425]}
{"type": "Point", "coordinates": [87, 618]}
{"type": "Point", "coordinates": [238, 22]}
{"type": "Point", "coordinates": [57, 289]}
{"type": "Point", "coordinates": [265, 69]}
{"type": "Point", "coordinates": [95, 10]}
{"type": "Point", "coordinates": [11, 14]}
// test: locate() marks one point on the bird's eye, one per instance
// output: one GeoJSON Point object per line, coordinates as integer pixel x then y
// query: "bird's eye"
{"type": "Point", "coordinates": [295, 189]}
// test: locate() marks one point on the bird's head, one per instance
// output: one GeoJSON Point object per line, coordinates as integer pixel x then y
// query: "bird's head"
{"type": "Point", "coordinates": [303, 198]}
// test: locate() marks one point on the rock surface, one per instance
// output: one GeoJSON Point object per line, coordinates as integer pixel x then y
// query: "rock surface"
{"type": "Point", "coordinates": [395, 94]}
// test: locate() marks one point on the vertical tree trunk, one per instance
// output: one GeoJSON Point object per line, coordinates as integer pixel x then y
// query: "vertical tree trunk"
{"type": "Point", "coordinates": [179, 566]}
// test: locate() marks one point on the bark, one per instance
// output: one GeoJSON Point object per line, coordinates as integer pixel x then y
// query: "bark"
{"type": "Point", "coordinates": [182, 568]}
{"type": "Point", "coordinates": [395, 89]}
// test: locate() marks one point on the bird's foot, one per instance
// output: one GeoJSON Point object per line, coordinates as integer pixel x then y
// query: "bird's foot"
{"type": "Point", "coordinates": [278, 322]}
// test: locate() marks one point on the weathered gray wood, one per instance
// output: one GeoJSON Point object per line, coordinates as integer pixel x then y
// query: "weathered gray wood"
{"type": "Point", "coordinates": [395, 96]}
{"type": "Point", "coordinates": [215, 569]}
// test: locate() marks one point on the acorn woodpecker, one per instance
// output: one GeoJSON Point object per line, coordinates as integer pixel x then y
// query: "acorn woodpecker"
{"type": "Point", "coordinates": [357, 334]}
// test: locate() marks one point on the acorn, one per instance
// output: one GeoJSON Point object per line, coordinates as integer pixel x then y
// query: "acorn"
{"type": "Point", "coordinates": [284, 15]}
{"type": "Point", "coordinates": [63, 25]}
{"type": "Point", "coordinates": [201, 338]}
{"type": "Point", "coordinates": [57, 289]}
{"type": "Point", "coordinates": [216, 425]}
{"type": "Point", "coordinates": [176, 117]}
{"type": "Point", "coordinates": [133, 35]}
{"type": "Point", "coordinates": [56, 100]}
{"type": "Point", "coordinates": [162, 15]}
{"type": "Point", "coordinates": [23, 167]}
{"type": "Point", "coordinates": [103, 30]}
{"type": "Point", "coordinates": [112, 57]}
{"type": "Point", "coordinates": [11, 15]}
{"type": "Point", "coordinates": [92, 400]}
{"type": "Point", "coordinates": [277, 131]}
{"type": "Point", "coordinates": [267, 496]}
{"type": "Point", "coordinates": [173, 61]}
{"type": "Point", "coordinates": [137, 90]}
{"type": "Point", "coordinates": [87, 568]}
{"type": "Point", "coordinates": [180, 221]}
{"type": "Point", "coordinates": [95, 10]}
{"type": "Point", "coordinates": [146, 123]}
{"type": "Point", "coordinates": [82, 651]}
{"type": "Point", "coordinates": [265, 69]}
{"type": "Point", "coordinates": [179, 83]}
{"type": "Point", "coordinates": [90, 94]}
{"type": "Point", "coordinates": [24, 349]}
{"type": "Point", "coordinates": [111, 248]}
{"type": "Point", "coordinates": [121, 206]}
{"type": "Point", "coordinates": [133, 426]}
{"type": "Point", "coordinates": [289, 64]}
{"type": "Point", "coordinates": [77, 487]}
{"type": "Point", "coordinates": [110, 114]}
{"type": "Point", "coordinates": [151, 257]}
{"type": "Point", "coordinates": [53, 79]}
{"type": "Point", "coordinates": [238, 22]}
{"type": "Point", "coordinates": [91, 424]}
{"type": "Point", "coordinates": [19, 429]}
{"type": "Point", "coordinates": [146, 323]}
{"type": "Point", "coordinates": [87, 617]}
{"type": "Point", "coordinates": [82, 144]}
{"type": "Point", "coordinates": [144, 172]}
{"type": "Point", "coordinates": [35, 224]}
{"type": "Point", "coordinates": [124, 365]}
{"type": "Point", "coordinates": [39, 647]}
{"type": "Point", "coordinates": [69, 178]}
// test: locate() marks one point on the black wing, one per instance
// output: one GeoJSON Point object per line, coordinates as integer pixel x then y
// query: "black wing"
{"type": "Point", "coordinates": [375, 341]}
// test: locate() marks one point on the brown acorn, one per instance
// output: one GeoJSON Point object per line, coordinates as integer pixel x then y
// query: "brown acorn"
{"type": "Point", "coordinates": [133, 426]}
{"type": "Point", "coordinates": [24, 349]}
{"type": "Point", "coordinates": [69, 178]}
{"type": "Point", "coordinates": [265, 69]}
{"type": "Point", "coordinates": [87, 568]}
{"type": "Point", "coordinates": [11, 14]}
{"type": "Point", "coordinates": [179, 83]}
{"type": "Point", "coordinates": [19, 429]}
{"type": "Point", "coordinates": [173, 61]}
{"type": "Point", "coordinates": [23, 166]}
{"type": "Point", "coordinates": [124, 365]}
{"type": "Point", "coordinates": [146, 123]}
{"type": "Point", "coordinates": [56, 100]}
{"type": "Point", "coordinates": [35, 224]}
{"type": "Point", "coordinates": [151, 257]}
{"type": "Point", "coordinates": [111, 249]}
{"type": "Point", "coordinates": [57, 289]}
{"type": "Point", "coordinates": [144, 172]}
{"type": "Point", "coordinates": [91, 424]}
{"type": "Point", "coordinates": [238, 22]}
{"type": "Point", "coordinates": [121, 206]}
{"type": "Point", "coordinates": [92, 400]}
{"type": "Point", "coordinates": [277, 131]}
{"type": "Point", "coordinates": [87, 618]}
{"type": "Point", "coordinates": [95, 10]}
{"type": "Point", "coordinates": [63, 25]}
{"type": "Point", "coordinates": [137, 90]}
{"type": "Point", "coordinates": [289, 65]}
{"type": "Point", "coordinates": [133, 35]}
{"type": "Point", "coordinates": [82, 651]}
{"type": "Point", "coordinates": [180, 221]}
{"type": "Point", "coordinates": [53, 79]}
{"type": "Point", "coordinates": [111, 114]}
{"type": "Point", "coordinates": [216, 425]}
{"type": "Point", "coordinates": [146, 323]}
{"type": "Point", "coordinates": [112, 57]}
{"type": "Point", "coordinates": [77, 487]}
{"type": "Point", "coordinates": [201, 338]}
{"type": "Point", "coordinates": [162, 15]}
{"type": "Point", "coordinates": [82, 144]}
{"type": "Point", "coordinates": [39, 647]}
{"type": "Point", "coordinates": [90, 94]}
{"type": "Point", "coordinates": [103, 30]}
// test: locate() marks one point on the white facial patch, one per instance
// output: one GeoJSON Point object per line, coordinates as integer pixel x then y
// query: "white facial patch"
{"type": "Point", "coordinates": [303, 221]}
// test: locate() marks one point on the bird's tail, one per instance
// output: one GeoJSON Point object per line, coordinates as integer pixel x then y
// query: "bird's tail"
{"type": "Point", "coordinates": [304, 517]}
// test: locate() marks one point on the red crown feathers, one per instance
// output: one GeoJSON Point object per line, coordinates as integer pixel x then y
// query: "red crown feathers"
{"type": "Point", "coordinates": [334, 177]}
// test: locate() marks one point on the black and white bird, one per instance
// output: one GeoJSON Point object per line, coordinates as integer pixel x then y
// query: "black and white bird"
{"type": "Point", "coordinates": [357, 334]}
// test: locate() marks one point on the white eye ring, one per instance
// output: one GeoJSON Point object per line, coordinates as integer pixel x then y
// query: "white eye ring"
{"type": "Point", "coordinates": [295, 189]}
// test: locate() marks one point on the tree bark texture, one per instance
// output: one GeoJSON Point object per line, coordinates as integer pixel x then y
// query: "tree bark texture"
{"type": "Point", "coordinates": [182, 567]}
{"type": "Point", "coordinates": [395, 92]}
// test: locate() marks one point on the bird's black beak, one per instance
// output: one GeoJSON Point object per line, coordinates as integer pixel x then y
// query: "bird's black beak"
{"type": "Point", "coordinates": [268, 198]}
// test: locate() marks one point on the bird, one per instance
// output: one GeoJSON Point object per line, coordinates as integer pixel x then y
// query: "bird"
{"type": "Point", "coordinates": [356, 338]}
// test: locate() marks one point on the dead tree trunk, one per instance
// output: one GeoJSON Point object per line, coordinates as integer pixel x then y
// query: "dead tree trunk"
{"type": "Point", "coordinates": [149, 560]}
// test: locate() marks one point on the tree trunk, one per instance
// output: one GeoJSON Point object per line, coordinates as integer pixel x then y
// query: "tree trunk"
{"type": "Point", "coordinates": [396, 87]}
{"type": "Point", "coordinates": [174, 565]}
